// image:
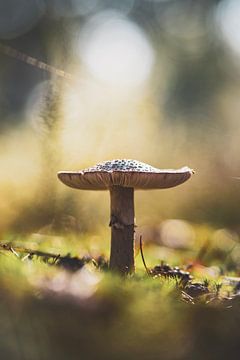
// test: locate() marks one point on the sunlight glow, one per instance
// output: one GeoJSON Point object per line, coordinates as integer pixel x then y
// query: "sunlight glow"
{"type": "Point", "coordinates": [115, 50]}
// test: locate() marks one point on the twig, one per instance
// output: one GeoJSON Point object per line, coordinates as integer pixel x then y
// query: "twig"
{"type": "Point", "coordinates": [143, 260]}
{"type": "Point", "coordinates": [56, 259]}
{"type": "Point", "coordinates": [14, 252]}
{"type": "Point", "coordinates": [26, 257]}
{"type": "Point", "coordinates": [187, 298]}
{"type": "Point", "coordinates": [17, 249]}
{"type": "Point", "coordinates": [13, 53]}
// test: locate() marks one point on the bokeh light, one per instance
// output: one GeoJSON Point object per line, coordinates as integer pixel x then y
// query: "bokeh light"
{"type": "Point", "coordinates": [227, 18]}
{"type": "Point", "coordinates": [115, 50]}
{"type": "Point", "coordinates": [177, 234]}
{"type": "Point", "coordinates": [176, 20]}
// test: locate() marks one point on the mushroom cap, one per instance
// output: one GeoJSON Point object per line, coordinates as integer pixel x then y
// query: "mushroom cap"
{"type": "Point", "coordinates": [125, 173]}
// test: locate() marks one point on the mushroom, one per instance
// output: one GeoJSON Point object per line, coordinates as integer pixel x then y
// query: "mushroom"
{"type": "Point", "coordinates": [121, 177]}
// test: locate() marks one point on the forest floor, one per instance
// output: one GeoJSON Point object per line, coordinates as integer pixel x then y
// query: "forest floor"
{"type": "Point", "coordinates": [58, 300]}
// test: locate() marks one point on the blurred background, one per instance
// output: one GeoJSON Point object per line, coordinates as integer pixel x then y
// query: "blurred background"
{"type": "Point", "coordinates": [153, 80]}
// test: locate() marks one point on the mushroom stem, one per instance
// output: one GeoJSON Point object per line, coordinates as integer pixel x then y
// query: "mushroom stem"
{"type": "Point", "coordinates": [122, 229]}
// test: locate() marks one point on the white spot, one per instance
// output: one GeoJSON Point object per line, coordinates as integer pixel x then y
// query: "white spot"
{"type": "Point", "coordinates": [115, 50]}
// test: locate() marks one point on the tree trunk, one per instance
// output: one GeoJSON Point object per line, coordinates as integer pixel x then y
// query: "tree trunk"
{"type": "Point", "coordinates": [122, 229]}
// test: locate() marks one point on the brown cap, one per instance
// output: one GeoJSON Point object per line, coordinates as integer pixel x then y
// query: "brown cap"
{"type": "Point", "coordinates": [126, 173]}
